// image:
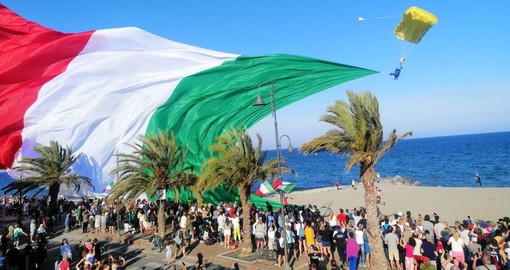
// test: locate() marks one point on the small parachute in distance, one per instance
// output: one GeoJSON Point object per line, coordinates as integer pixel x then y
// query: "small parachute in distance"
{"type": "Point", "coordinates": [415, 23]}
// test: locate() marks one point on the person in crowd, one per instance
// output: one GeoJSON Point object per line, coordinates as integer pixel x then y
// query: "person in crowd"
{"type": "Point", "coordinates": [64, 264]}
{"type": "Point", "coordinates": [13, 257]}
{"type": "Point", "coordinates": [17, 234]}
{"type": "Point", "coordinates": [361, 243]}
{"type": "Point", "coordinates": [97, 247]}
{"type": "Point", "coordinates": [409, 256]}
{"type": "Point", "coordinates": [236, 225]}
{"type": "Point", "coordinates": [393, 242]}
{"type": "Point", "coordinates": [457, 247]}
{"type": "Point", "coordinates": [200, 264]}
{"type": "Point", "coordinates": [290, 237]}
{"type": "Point", "coordinates": [280, 251]}
{"type": "Point", "coordinates": [259, 231]}
{"type": "Point", "coordinates": [33, 229]}
{"type": "Point", "coordinates": [340, 240]}
{"type": "Point", "coordinates": [482, 261]}
{"type": "Point", "coordinates": [67, 223]}
{"type": "Point", "coordinates": [309, 236]}
{"type": "Point", "coordinates": [352, 251]}
{"type": "Point", "coordinates": [299, 228]}
{"type": "Point", "coordinates": [57, 262]}
{"type": "Point", "coordinates": [169, 254]}
{"type": "Point", "coordinates": [65, 249]}
{"type": "Point", "coordinates": [327, 237]}
{"type": "Point", "coordinates": [314, 257]}
{"type": "Point", "coordinates": [41, 255]}
{"type": "Point", "coordinates": [429, 250]}
{"type": "Point", "coordinates": [227, 232]}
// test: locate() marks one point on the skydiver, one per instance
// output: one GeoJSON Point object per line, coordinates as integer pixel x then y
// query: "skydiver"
{"type": "Point", "coordinates": [396, 74]}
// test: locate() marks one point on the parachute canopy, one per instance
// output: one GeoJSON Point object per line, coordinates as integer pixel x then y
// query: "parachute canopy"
{"type": "Point", "coordinates": [415, 23]}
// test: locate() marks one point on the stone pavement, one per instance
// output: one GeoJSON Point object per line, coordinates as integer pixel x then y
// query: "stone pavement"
{"type": "Point", "coordinates": [136, 251]}
{"type": "Point", "coordinates": [139, 255]}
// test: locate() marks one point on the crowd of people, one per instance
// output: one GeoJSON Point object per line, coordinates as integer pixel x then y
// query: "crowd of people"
{"type": "Point", "coordinates": [327, 240]}
{"type": "Point", "coordinates": [340, 240]}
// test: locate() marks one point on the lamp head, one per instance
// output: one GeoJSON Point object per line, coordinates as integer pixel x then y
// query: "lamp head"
{"type": "Point", "coordinates": [290, 149]}
{"type": "Point", "coordinates": [259, 101]}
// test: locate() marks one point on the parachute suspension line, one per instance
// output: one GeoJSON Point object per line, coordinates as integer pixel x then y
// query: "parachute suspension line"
{"type": "Point", "coordinates": [406, 46]}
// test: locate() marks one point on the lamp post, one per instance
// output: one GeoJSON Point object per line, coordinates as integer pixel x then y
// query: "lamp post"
{"type": "Point", "coordinates": [261, 102]}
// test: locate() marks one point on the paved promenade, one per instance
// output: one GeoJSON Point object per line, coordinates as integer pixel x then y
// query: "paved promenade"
{"type": "Point", "coordinates": [139, 255]}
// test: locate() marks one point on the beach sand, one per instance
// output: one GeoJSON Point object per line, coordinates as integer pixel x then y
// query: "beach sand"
{"type": "Point", "coordinates": [451, 204]}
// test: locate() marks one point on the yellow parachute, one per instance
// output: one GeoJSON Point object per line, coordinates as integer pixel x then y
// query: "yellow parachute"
{"type": "Point", "coordinates": [413, 26]}
{"type": "Point", "coordinates": [415, 23]}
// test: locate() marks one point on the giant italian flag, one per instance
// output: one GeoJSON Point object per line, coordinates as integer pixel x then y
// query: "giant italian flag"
{"type": "Point", "coordinates": [98, 91]}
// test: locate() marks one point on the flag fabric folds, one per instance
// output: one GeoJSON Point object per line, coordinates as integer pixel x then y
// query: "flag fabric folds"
{"type": "Point", "coordinates": [97, 91]}
{"type": "Point", "coordinates": [265, 189]}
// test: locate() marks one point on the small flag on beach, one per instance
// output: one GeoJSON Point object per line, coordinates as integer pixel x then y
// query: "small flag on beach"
{"type": "Point", "coordinates": [265, 189]}
{"type": "Point", "coordinates": [285, 186]}
{"type": "Point", "coordinates": [110, 186]}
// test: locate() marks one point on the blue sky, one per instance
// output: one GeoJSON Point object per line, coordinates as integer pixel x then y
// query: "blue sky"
{"type": "Point", "coordinates": [456, 81]}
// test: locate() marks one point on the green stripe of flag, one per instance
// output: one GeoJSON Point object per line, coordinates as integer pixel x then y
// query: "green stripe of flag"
{"type": "Point", "coordinates": [205, 104]}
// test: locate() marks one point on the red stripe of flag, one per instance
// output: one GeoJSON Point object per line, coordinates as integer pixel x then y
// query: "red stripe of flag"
{"type": "Point", "coordinates": [31, 55]}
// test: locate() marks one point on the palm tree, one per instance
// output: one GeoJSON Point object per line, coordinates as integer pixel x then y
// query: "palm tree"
{"type": "Point", "coordinates": [359, 136]}
{"type": "Point", "coordinates": [157, 163]}
{"type": "Point", "coordinates": [50, 170]}
{"type": "Point", "coordinates": [237, 164]}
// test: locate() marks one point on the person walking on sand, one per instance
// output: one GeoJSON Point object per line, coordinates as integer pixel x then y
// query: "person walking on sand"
{"type": "Point", "coordinates": [337, 184]}
{"type": "Point", "coordinates": [478, 179]}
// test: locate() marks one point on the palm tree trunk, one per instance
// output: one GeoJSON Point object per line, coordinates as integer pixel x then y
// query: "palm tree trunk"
{"type": "Point", "coordinates": [53, 191]}
{"type": "Point", "coordinates": [176, 194]}
{"type": "Point", "coordinates": [244, 194]}
{"type": "Point", "coordinates": [198, 196]}
{"type": "Point", "coordinates": [161, 218]}
{"type": "Point", "coordinates": [377, 257]}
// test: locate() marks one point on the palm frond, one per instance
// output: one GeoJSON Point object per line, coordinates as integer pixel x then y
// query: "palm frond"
{"type": "Point", "coordinates": [236, 162]}
{"type": "Point", "coordinates": [51, 167]}
{"type": "Point", "coordinates": [156, 163]}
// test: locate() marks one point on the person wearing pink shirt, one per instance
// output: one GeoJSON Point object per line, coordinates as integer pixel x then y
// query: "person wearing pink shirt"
{"type": "Point", "coordinates": [352, 251]}
{"type": "Point", "coordinates": [409, 257]}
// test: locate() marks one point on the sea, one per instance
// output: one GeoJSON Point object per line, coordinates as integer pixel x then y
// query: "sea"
{"type": "Point", "coordinates": [449, 161]}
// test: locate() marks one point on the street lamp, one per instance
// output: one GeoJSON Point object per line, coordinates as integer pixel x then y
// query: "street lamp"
{"type": "Point", "coordinates": [260, 102]}
{"type": "Point", "coordinates": [290, 149]}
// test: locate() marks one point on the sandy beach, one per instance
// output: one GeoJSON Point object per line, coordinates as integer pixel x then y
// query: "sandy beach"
{"type": "Point", "coordinates": [451, 204]}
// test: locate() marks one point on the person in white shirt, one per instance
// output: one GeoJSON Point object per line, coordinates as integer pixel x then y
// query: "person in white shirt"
{"type": "Point", "coordinates": [182, 221]}
{"type": "Point", "coordinates": [221, 222]}
{"type": "Point", "coordinates": [457, 247]}
{"type": "Point", "coordinates": [358, 234]}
